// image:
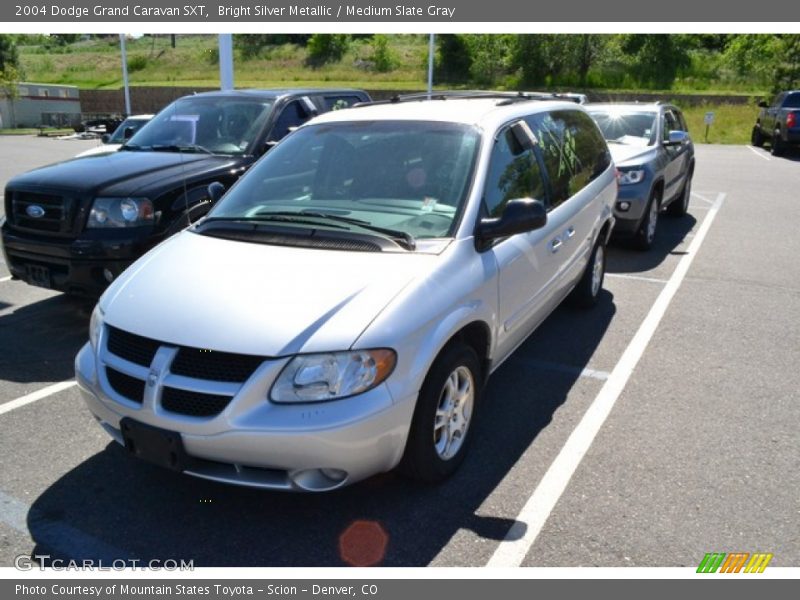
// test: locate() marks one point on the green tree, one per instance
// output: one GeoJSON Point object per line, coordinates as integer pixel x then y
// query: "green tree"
{"type": "Point", "coordinates": [9, 56]}
{"type": "Point", "coordinates": [655, 59]}
{"type": "Point", "coordinates": [326, 48]}
{"type": "Point", "coordinates": [453, 60]}
{"type": "Point", "coordinates": [383, 57]}
{"type": "Point", "coordinates": [491, 57]}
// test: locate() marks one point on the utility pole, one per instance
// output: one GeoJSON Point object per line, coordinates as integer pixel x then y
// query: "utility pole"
{"type": "Point", "coordinates": [226, 61]}
{"type": "Point", "coordinates": [430, 65]}
{"type": "Point", "coordinates": [125, 74]}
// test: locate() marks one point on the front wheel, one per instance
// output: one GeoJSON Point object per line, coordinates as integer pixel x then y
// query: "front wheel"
{"type": "Point", "coordinates": [756, 137]}
{"type": "Point", "coordinates": [439, 434]}
{"type": "Point", "coordinates": [588, 290]}
{"type": "Point", "coordinates": [647, 230]}
{"type": "Point", "coordinates": [680, 206]}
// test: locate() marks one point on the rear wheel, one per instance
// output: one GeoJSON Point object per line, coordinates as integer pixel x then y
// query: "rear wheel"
{"type": "Point", "coordinates": [757, 138]}
{"type": "Point", "coordinates": [778, 146]}
{"type": "Point", "coordinates": [443, 418]}
{"type": "Point", "coordinates": [647, 230]}
{"type": "Point", "coordinates": [680, 206]}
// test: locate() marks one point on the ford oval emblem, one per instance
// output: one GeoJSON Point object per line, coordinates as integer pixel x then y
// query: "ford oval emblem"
{"type": "Point", "coordinates": [35, 211]}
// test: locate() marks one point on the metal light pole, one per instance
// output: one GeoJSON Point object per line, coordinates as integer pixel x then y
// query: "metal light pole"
{"type": "Point", "coordinates": [226, 61]}
{"type": "Point", "coordinates": [125, 74]}
{"type": "Point", "coordinates": [430, 65]}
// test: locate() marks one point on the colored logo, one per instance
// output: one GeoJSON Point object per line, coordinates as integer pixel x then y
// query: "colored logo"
{"type": "Point", "coordinates": [35, 211]}
{"type": "Point", "coordinates": [734, 563]}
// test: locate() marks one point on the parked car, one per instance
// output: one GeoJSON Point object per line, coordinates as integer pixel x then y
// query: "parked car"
{"type": "Point", "coordinates": [337, 313]}
{"type": "Point", "coordinates": [654, 154]}
{"type": "Point", "coordinates": [75, 226]}
{"type": "Point", "coordinates": [111, 142]}
{"type": "Point", "coordinates": [778, 123]}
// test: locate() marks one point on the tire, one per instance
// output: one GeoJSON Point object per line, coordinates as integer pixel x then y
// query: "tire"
{"type": "Point", "coordinates": [449, 395]}
{"type": "Point", "coordinates": [588, 290]}
{"type": "Point", "coordinates": [680, 206]}
{"type": "Point", "coordinates": [757, 138]}
{"type": "Point", "coordinates": [778, 146]}
{"type": "Point", "coordinates": [643, 240]}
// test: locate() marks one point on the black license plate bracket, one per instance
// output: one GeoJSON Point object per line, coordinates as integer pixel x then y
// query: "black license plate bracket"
{"type": "Point", "coordinates": [153, 444]}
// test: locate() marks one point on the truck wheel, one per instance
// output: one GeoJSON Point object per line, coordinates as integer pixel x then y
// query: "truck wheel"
{"type": "Point", "coordinates": [757, 138]}
{"type": "Point", "coordinates": [439, 435]}
{"type": "Point", "coordinates": [588, 290]}
{"type": "Point", "coordinates": [647, 230]}
{"type": "Point", "coordinates": [778, 146]}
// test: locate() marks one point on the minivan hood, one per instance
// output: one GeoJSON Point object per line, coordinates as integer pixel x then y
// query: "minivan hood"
{"type": "Point", "coordinates": [122, 173]}
{"type": "Point", "coordinates": [251, 298]}
{"type": "Point", "coordinates": [625, 153]}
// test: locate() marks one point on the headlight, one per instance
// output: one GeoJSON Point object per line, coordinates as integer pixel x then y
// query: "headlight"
{"type": "Point", "coordinates": [95, 326]}
{"type": "Point", "coordinates": [631, 177]}
{"type": "Point", "coordinates": [330, 376]}
{"type": "Point", "coordinates": [120, 212]}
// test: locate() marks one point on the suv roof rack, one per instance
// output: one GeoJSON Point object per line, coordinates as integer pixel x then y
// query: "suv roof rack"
{"type": "Point", "coordinates": [504, 98]}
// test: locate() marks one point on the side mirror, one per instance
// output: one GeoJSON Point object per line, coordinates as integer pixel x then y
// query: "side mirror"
{"type": "Point", "coordinates": [127, 133]}
{"type": "Point", "coordinates": [105, 138]}
{"type": "Point", "coordinates": [763, 104]}
{"type": "Point", "coordinates": [520, 216]}
{"type": "Point", "coordinates": [676, 138]}
{"type": "Point", "coordinates": [215, 191]}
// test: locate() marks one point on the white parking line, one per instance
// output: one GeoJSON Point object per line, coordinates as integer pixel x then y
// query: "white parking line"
{"type": "Point", "coordinates": [2, 279]}
{"type": "Point", "coordinates": [34, 396]}
{"type": "Point", "coordinates": [757, 153]}
{"type": "Point", "coordinates": [636, 277]}
{"type": "Point", "coordinates": [522, 535]}
{"type": "Point", "coordinates": [562, 368]}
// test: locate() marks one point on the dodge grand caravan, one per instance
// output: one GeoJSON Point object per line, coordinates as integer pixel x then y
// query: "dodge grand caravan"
{"type": "Point", "coordinates": [338, 312]}
{"type": "Point", "coordinates": [75, 226]}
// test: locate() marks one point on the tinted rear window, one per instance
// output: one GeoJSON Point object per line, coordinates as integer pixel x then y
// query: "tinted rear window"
{"type": "Point", "coordinates": [792, 101]}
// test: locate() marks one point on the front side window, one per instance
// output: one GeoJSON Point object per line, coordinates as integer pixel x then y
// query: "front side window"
{"type": "Point", "coordinates": [407, 176]}
{"type": "Point", "coordinates": [292, 116]}
{"type": "Point", "coordinates": [222, 125]}
{"type": "Point", "coordinates": [669, 124]}
{"type": "Point", "coordinates": [513, 173]}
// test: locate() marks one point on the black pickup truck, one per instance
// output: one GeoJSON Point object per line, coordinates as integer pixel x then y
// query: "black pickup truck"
{"type": "Point", "coordinates": [75, 226]}
{"type": "Point", "coordinates": [778, 123]}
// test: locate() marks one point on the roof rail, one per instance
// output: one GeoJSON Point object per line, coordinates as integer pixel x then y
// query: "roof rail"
{"type": "Point", "coordinates": [504, 97]}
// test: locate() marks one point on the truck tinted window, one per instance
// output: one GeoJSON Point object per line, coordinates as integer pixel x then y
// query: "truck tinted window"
{"type": "Point", "coordinates": [341, 101]}
{"type": "Point", "coordinates": [513, 173]}
{"type": "Point", "coordinates": [573, 149]}
{"type": "Point", "coordinates": [293, 115]}
{"type": "Point", "coordinates": [792, 101]}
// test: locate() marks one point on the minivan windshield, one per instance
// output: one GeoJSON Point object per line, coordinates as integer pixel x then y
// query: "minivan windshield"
{"type": "Point", "coordinates": [215, 125]}
{"type": "Point", "coordinates": [637, 128]}
{"type": "Point", "coordinates": [409, 178]}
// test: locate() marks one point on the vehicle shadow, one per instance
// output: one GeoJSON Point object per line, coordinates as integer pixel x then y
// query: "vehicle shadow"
{"type": "Point", "coordinates": [111, 506]}
{"type": "Point", "coordinates": [40, 340]}
{"type": "Point", "coordinates": [671, 234]}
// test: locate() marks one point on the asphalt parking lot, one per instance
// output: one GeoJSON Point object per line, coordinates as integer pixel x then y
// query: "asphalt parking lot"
{"type": "Point", "coordinates": [658, 427]}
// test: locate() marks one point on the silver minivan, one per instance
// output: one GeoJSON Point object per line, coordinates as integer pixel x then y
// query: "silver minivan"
{"type": "Point", "coordinates": [340, 309]}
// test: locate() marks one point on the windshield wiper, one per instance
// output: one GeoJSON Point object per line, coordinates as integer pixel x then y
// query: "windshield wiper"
{"type": "Point", "coordinates": [131, 147]}
{"type": "Point", "coordinates": [180, 148]}
{"type": "Point", "coordinates": [405, 239]}
{"type": "Point", "coordinates": [276, 217]}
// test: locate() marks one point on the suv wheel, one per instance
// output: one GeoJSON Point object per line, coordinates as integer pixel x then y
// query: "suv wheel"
{"type": "Point", "coordinates": [647, 230]}
{"type": "Point", "coordinates": [588, 290]}
{"type": "Point", "coordinates": [757, 138]}
{"type": "Point", "coordinates": [777, 147]}
{"type": "Point", "coordinates": [680, 206]}
{"type": "Point", "coordinates": [439, 435]}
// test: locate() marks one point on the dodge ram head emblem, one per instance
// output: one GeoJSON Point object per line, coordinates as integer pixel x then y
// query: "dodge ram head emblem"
{"type": "Point", "coordinates": [35, 211]}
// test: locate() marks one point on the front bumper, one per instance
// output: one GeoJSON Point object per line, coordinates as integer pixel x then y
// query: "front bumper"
{"type": "Point", "coordinates": [74, 266]}
{"type": "Point", "coordinates": [256, 443]}
{"type": "Point", "coordinates": [637, 195]}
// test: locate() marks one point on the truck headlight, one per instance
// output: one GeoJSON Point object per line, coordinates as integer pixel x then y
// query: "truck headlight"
{"type": "Point", "coordinates": [631, 176]}
{"type": "Point", "coordinates": [334, 375]}
{"type": "Point", "coordinates": [96, 326]}
{"type": "Point", "coordinates": [120, 212]}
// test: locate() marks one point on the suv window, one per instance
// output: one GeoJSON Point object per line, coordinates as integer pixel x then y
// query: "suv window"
{"type": "Point", "coordinates": [669, 124]}
{"type": "Point", "coordinates": [792, 101]}
{"type": "Point", "coordinates": [681, 121]}
{"type": "Point", "coordinates": [513, 173]}
{"type": "Point", "coordinates": [293, 115]}
{"type": "Point", "coordinates": [340, 101]}
{"type": "Point", "coordinates": [573, 149]}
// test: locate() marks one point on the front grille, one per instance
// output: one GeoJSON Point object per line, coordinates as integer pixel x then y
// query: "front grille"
{"type": "Point", "coordinates": [131, 347]}
{"type": "Point", "coordinates": [194, 404]}
{"type": "Point", "coordinates": [215, 366]}
{"type": "Point", "coordinates": [125, 385]}
{"type": "Point", "coordinates": [55, 218]}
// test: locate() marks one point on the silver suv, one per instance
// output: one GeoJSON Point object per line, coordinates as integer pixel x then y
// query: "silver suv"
{"type": "Point", "coordinates": [652, 149]}
{"type": "Point", "coordinates": [339, 311]}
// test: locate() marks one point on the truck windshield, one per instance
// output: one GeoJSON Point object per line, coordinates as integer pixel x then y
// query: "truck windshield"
{"type": "Point", "coordinates": [408, 177]}
{"type": "Point", "coordinates": [221, 125]}
{"type": "Point", "coordinates": [634, 127]}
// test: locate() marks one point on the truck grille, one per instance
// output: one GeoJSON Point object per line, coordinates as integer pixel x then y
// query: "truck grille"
{"type": "Point", "coordinates": [193, 404]}
{"type": "Point", "coordinates": [55, 211]}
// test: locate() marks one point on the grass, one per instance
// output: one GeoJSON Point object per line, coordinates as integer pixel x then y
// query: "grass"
{"type": "Point", "coordinates": [35, 131]}
{"type": "Point", "coordinates": [732, 123]}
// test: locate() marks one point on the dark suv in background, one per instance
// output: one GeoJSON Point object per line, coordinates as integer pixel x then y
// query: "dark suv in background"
{"type": "Point", "coordinates": [654, 154]}
{"type": "Point", "coordinates": [778, 123]}
{"type": "Point", "coordinates": [75, 226]}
